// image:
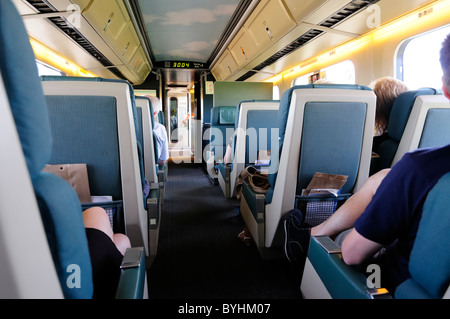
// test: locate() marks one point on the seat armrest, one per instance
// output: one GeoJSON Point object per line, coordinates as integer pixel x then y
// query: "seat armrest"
{"type": "Point", "coordinates": [162, 173]}
{"type": "Point", "coordinates": [224, 170]}
{"type": "Point", "coordinates": [340, 280]}
{"type": "Point", "coordinates": [153, 208]}
{"type": "Point", "coordinates": [255, 201]}
{"type": "Point", "coordinates": [133, 275]}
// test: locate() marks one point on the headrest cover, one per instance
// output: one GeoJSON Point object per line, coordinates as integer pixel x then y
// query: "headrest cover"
{"type": "Point", "coordinates": [227, 115]}
{"type": "Point", "coordinates": [223, 115]}
{"type": "Point", "coordinates": [26, 98]}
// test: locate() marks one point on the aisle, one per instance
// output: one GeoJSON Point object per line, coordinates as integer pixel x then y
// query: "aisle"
{"type": "Point", "coordinates": [199, 254]}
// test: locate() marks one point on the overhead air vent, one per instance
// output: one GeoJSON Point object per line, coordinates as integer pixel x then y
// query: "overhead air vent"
{"type": "Point", "coordinates": [346, 12]}
{"type": "Point", "coordinates": [332, 21]}
{"type": "Point", "coordinates": [61, 23]}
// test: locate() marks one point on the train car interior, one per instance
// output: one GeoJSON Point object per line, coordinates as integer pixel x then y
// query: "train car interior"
{"type": "Point", "coordinates": [266, 110]}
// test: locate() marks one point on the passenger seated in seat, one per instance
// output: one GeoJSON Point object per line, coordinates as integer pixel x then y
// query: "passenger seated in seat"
{"type": "Point", "coordinates": [161, 133]}
{"type": "Point", "coordinates": [386, 89]}
{"type": "Point", "coordinates": [227, 157]}
{"type": "Point", "coordinates": [386, 211]}
{"type": "Point", "coordinates": [106, 250]}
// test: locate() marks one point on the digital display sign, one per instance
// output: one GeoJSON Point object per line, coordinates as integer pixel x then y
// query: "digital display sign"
{"type": "Point", "coordinates": [182, 65]}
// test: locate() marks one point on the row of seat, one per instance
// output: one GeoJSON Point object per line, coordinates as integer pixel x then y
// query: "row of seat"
{"type": "Point", "coordinates": [415, 122]}
{"type": "Point", "coordinates": [324, 128]}
{"type": "Point", "coordinates": [419, 119]}
{"type": "Point", "coordinates": [253, 132]}
{"type": "Point", "coordinates": [97, 122]}
{"type": "Point", "coordinates": [223, 118]}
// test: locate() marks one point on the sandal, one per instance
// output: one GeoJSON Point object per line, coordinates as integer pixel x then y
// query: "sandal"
{"type": "Point", "coordinates": [245, 237]}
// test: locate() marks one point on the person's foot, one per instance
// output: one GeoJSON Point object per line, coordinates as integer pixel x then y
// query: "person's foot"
{"type": "Point", "coordinates": [245, 236]}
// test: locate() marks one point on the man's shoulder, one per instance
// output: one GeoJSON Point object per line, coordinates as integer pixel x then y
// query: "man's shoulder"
{"type": "Point", "coordinates": [430, 156]}
{"type": "Point", "coordinates": [158, 127]}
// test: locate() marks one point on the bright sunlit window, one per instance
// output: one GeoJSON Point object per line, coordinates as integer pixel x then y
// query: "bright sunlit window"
{"type": "Point", "coordinates": [302, 80]}
{"type": "Point", "coordinates": [45, 69]}
{"type": "Point", "coordinates": [340, 73]}
{"type": "Point", "coordinates": [418, 60]}
{"type": "Point", "coordinates": [276, 93]}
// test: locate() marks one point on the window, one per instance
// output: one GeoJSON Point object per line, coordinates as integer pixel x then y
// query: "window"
{"type": "Point", "coordinates": [418, 60]}
{"type": "Point", "coordinates": [45, 69]}
{"type": "Point", "coordinates": [145, 92]}
{"type": "Point", "coordinates": [302, 80]}
{"type": "Point", "coordinates": [276, 93]}
{"type": "Point", "coordinates": [341, 73]}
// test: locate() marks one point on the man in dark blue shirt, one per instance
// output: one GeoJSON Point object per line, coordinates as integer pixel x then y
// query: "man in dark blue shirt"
{"type": "Point", "coordinates": [394, 213]}
{"type": "Point", "coordinates": [386, 211]}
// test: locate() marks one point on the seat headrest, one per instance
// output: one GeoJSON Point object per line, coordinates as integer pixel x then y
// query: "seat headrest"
{"type": "Point", "coordinates": [285, 102]}
{"type": "Point", "coordinates": [223, 115]}
{"type": "Point", "coordinates": [21, 79]}
{"type": "Point", "coordinates": [238, 109]}
{"type": "Point", "coordinates": [401, 109]}
{"type": "Point", "coordinates": [150, 105]}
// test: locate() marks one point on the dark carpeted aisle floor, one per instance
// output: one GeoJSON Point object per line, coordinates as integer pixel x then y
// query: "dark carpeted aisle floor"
{"type": "Point", "coordinates": [199, 254]}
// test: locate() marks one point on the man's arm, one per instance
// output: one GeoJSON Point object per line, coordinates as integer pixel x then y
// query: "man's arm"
{"type": "Point", "coordinates": [356, 248]}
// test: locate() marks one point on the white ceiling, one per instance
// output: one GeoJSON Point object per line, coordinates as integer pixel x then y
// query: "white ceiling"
{"type": "Point", "coordinates": [191, 38]}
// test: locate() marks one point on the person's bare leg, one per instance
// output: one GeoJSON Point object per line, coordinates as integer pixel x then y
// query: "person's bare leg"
{"type": "Point", "coordinates": [347, 214]}
{"type": "Point", "coordinates": [122, 242]}
{"type": "Point", "coordinates": [97, 218]}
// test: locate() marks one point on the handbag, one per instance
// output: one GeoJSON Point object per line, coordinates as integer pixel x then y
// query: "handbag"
{"type": "Point", "coordinates": [258, 181]}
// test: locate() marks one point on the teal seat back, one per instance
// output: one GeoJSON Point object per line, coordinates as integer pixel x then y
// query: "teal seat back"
{"type": "Point", "coordinates": [139, 136]}
{"type": "Point", "coordinates": [429, 263]}
{"type": "Point", "coordinates": [398, 118]}
{"type": "Point", "coordinates": [261, 122]}
{"type": "Point", "coordinates": [436, 130]}
{"type": "Point", "coordinates": [58, 203]}
{"type": "Point", "coordinates": [84, 130]}
{"type": "Point", "coordinates": [133, 108]}
{"type": "Point", "coordinates": [222, 128]}
{"type": "Point", "coordinates": [155, 140]}
{"type": "Point", "coordinates": [331, 140]}
{"type": "Point", "coordinates": [161, 118]}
